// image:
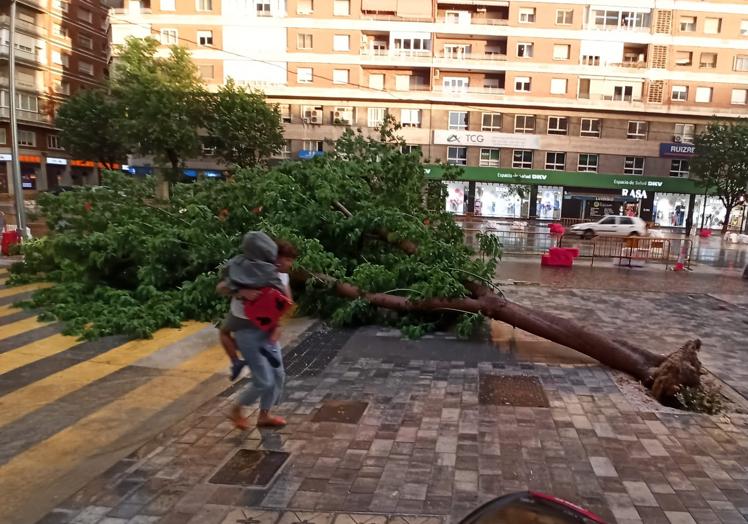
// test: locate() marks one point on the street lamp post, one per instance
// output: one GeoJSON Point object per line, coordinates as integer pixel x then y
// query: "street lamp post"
{"type": "Point", "coordinates": [16, 161]}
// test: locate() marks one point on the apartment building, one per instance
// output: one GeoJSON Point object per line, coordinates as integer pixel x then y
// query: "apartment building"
{"type": "Point", "coordinates": [61, 47]}
{"type": "Point", "coordinates": [591, 106]}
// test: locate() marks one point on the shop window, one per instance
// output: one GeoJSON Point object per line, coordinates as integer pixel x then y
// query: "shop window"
{"type": "Point", "coordinates": [168, 5]}
{"type": "Point", "coordinates": [524, 123]}
{"type": "Point", "coordinates": [564, 16]}
{"type": "Point", "coordinates": [522, 158]}
{"type": "Point", "coordinates": [708, 61]}
{"type": "Point", "coordinates": [205, 38]}
{"type": "Point", "coordinates": [688, 24]}
{"type": "Point", "coordinates": [304, 75]}
{"type": "Point", "coordinates": [548, 203]}
{"type": "Point", "coordinates": [704, 94]}
{"type": "Point", "coordinates": [739, 96]}
{"type": "Point", "coordinates": [489, 157]}
{"type": "Point", "coordinates": [587, 163]}
{"type": "Point", "coordinates": [561, 51]}
{"type": "Point", "coordinates": [341, 7]}
{"type": "Point", "coordinates": [53, 142]}
{"type": "Point", "coordinates": [679, 168]}
{"type": "Point", "coordinates": [670, 210]}
{"type": "Point", "coordinates": [559, 86]}
{"type": "Point", "coordinates": [741, 63]}
{"type": "Point", "coordinates": [501, 200]}
{"type": "Point", "coordinates": [679, 93]}
{"type": "Point", "coordinates": [375, 116]}
{"type": "Point", "coordinates": [555, 161]}
{"type": "Point", "coordinates": [458, 120]}
{"type": "Point", "coordinates": [522, 84]}
{"type": "Point", "coordinates": [684, 133]}
{"type": "Point", "coordinates": [457, 156]}
{"type": "Point", "coordinates": [633, 165]}
{"type": "Point", "coordinates": [590, 127]}
{"type": "Point", "coordinates": [410, 117]}
{"type": "Point", "coordinates": [637, 130]}
{"type": "Point", "coordinates": [26, 138]}
{"type": "Point", "coordinates": [525, 49]}
{"type": "Point", "coordinates": [526, 15]}
{"type": "Point", "coordinates": [491, 122]}
{"type": "Point", "coordinates": [341, 42]}
{"type": "Point", "coordinates": [340, 76]}
{"type": "Point", "coordinates": [204, 5]}
{"type": "Point", "coordinates": [712, 26]}
{"type": "Point", "coordinates": [456, 196]}
{"type": "Point", "coordinates": [558, 125]}
{"type": "Point", "coordinates": [169, 36]}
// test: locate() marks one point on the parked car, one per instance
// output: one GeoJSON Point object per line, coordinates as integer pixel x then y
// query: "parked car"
{"type": "Point", "coordinates": [611, 225]}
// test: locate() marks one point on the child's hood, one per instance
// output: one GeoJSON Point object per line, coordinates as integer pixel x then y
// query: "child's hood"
{"type": "Point", "coordinates": [260, 247]}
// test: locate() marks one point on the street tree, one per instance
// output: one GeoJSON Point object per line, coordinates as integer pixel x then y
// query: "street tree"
{"type": "Point", "coordinates": [721, 163]}
{"type": "Point", "coordinates": [89, 127]}
{"type": "Point", "coordinates": [371, 252]}
{"type": "Point", "coordinates": [162, 99]}
{"type": "Point", "coordinates": [242, 126]}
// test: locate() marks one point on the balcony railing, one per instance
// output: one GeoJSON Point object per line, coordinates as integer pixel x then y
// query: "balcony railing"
{"type": "Point", "coordinates": [28, 116]}
{"type": "Point", "coordinates": [591, 26]}
{"type": "Point", "coordinates": [22, 25]}
{"type": "Point", "coordinates": [469, 90]}
{"type": "Point", "coordinates": [22, 53]}
{"type": "Point", "coordinates": [474, 21]}
{"type": "Point", "coordinates": [625, 99]}
{"type": "Point", "coordinates": [461, 57]}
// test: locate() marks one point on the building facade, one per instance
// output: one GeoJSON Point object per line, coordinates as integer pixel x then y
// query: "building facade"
{"type": "Point", "coordinates": [61, 47]}
{"type": "Point", "coordinates": [560, 96]}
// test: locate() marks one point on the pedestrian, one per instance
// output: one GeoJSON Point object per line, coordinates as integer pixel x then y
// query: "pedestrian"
{"type": "Point", "coordinates": [245, 278]}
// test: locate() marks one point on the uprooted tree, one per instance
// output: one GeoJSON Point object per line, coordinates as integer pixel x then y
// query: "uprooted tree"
{"type": "Point", "coordinates": [376, 247]}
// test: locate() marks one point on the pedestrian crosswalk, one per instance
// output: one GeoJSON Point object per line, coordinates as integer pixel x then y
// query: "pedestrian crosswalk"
{"type": "Point", "coordinates": [70, 408]}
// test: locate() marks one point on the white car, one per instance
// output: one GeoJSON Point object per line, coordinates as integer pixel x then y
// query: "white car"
{"type": "Point", "coordinates": [611, 225]}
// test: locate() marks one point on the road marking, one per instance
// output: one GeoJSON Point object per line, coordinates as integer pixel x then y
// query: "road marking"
{"type": "Point", "coordinates": [26, 399]}
{"type": "Point", "coordinates": [21, 326]}
{"type": "Point", "coordinates": [17, 290]}
{"type": "Point", "coordinates": [8, 310]}
{"type": "Point", "coordinates": [48, 462]}
{"type": "Point", "coordinates": [34, 351]}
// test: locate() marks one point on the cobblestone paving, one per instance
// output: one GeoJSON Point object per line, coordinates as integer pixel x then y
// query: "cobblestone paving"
{"type": "Point", "coordinates": [426, 451]}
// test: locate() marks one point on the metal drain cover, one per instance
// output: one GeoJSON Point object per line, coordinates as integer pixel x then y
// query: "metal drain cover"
{"type": "Point", "coordinates": [250, 468]}
{"type": "Point", "coordinates": [343, 411]}
{"type": "Point", "coordinates": [511, 390]}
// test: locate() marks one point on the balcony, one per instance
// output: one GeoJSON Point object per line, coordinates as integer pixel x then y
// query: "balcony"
{"type": "Point", "coordinates": [38, 4]}
{"type": "Point", "coordinates": [468, 90]}
{"type": "Point", "coordinates": [22, 53]}
{"type": "Point", "coordinates": [398, 56]}
{"type": "Point", "coordinates": [26, 116]}
{"type": "Point", "coordinates": [469, 56]}
{"type": "Point", "coordinates": [22, 25]}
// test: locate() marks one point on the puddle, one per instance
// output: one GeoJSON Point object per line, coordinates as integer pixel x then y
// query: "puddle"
{"type": "Point", "coordinates": [527, 347]}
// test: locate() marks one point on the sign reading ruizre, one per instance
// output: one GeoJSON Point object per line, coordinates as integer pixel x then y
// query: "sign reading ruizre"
{"type": "Point", "coordinates": [677, 150]}
{"type": "Point", "coordinates": [449, 137]}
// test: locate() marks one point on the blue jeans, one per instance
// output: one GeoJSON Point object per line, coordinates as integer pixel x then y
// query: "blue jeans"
{"type": "Point", "coordinates": [267, 381]}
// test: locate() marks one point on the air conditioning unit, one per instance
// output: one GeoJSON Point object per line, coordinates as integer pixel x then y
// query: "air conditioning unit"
{"type": "Point", "coordinates": [342, 115]}
{"type": "Point", "coordinates": [677, 138]}
{"type": "Point", "coordinates": [312, 116]}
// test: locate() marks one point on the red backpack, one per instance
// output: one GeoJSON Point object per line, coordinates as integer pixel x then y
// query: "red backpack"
{"type": "Point", "coordinates": [267, 309]}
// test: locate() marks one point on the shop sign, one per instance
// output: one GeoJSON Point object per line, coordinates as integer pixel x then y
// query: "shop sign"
{"type": "Point", "coordinates": [634, 193]}
{"type": "Point", "coordinates": [449, 137]}
{"type": "Point", "coordinates": [57, 161]}
{"type": "Point", "coordinates": [5, 158]}
{"type": "Point", "coordinates": [677, 150]}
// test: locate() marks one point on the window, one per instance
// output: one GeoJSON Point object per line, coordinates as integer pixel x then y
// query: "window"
{"type": "Point", "coordinates": [522, 84]}
{"type": "Point", "coordinates": [26, 102]}
{"type": "Point", "coordinates": [169, 36]}
{"type": "Point", "coordinates": [741, 63]}
{"type": "Point", "coordinates": [304, 41]}
{"type": "Point", "coordinates": [489, 157]}
{"type": "Point", "coordinates": [58, 30]}
{"type": "Point", "coordinates": [712, 26]}
{"type": "Point", "coordinates": [679, 168]}
{"type": "Point", "coordinates": [85, 41]}
{"type": "Point", "coordinates": [285, 111]}
{"type": "Point", "coordinates": [205, 38]}
{"type": "Point", "coordinates": [637, 130]}
{"type": "Point", "coordinates": [313, 145]}
{"type": "Point", "coordinates": [457, 156]}
{"type": "Point", "coordinates": [341, 7]}
{"type": "Point", "coordinates": [561, 51]}
{"type": "Point", "coordinates": [340, 76]}
{"type": "Point", "coordinates": [168, 5]}
{"type": "Point", "coordinates": [587, 163]}
{"type": "Point", "coordinates": [527, 15]}
{"type": "Point", "coordinates": [524, 123]}
{"type": "Point", "coordinates": [410, 117]}
{"type": "Point", "coordinates": [490, 122]}
{"type": "Point", "coordinates": [704, 94]}
{"type": "Point", "coordinates": [60, 59]}
{"type": "Point", "coordinates": [458, 120]}
{"type": "Point", "coordinates": [590, 127]}
{"type": "Point", "coordinates": [305, 7]}
{"type": "Point", "coordinates": [62, 87]}
{"type": "Point", "coordinates": [263, 8]}
{"type": "Point", "coordinates": [341, 43]}
{"type": "Point", "coordinates": [3, 136]}
{"type": "Point", "coordinates": [204, 5]}
{"type": "Point", "coordinates": [62, 5]}
{"type": "Point", "coordinates": [86, 68]}
{"type": "Point", "coordinates": [558, 125]}
{"type": "Point", "coordinates": [683, 58]}
{"type": "Point", "coordinates": [53, 142]}
{"type": "Point", "coordinates": [684, 133]}
{"type": "Point", "coordinates": [555, 161]}
{"type": "Point", "coordinates": [522, 158]}
{"type": "Point", "coordinates": [285, 150]}
{"type": "Point", "coordinates": [524, 49]}
{"type": "Point", "coordinates": [633, 165]}
{"type": "Point", "coordinates": [564, 16]}
{"type": "Point", "coordinates": [26, 138]}
{"type": "Point", "coordinates": [304, 75]}
{"type": "Point", "coordinates": [376, 81]}
{"type": "Point", "coordinates": [679, 93]}
{"type": "Point", "coordinates": [85, 15]}
{"type": "Point", "coordinates": [408, 149]}
{"type": "Point", "coordinates": [558, 86]}
{"type": "Point", "coordinates": [739, 96]}
{"type": "Point", "coordinates": [206, 71]}
{"type": "Point", "coordinates": [688, 24]}
{"type": "Point", "coordinates": [744, 27]}
{"type": "Point", "coordinates": [708, 60]}
{"type": "Point", "coordinates": [402, 82]}
{"type": "Point", "coordinates": [376, 116]}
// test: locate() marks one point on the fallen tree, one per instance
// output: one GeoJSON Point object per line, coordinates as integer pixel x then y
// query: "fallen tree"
{"type": "Point", "coordinates": [373, 235]}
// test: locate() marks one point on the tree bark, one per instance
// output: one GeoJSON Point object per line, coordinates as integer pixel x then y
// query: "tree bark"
{"type": "Point", "coordinates": [726, 223]}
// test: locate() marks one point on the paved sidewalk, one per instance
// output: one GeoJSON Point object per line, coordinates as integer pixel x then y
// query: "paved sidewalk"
{"type": "Point", "coordinates": [428, 447]}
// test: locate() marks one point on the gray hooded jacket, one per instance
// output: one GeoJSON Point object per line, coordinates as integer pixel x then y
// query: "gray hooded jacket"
{"type": "Point", "coordinates": [255, 268]}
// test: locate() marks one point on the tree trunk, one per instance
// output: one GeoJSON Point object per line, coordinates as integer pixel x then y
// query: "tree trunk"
{"type": "Point", "coordinates": [664, 375]}
{"type": "Point", "coordinates": [726, 223]}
